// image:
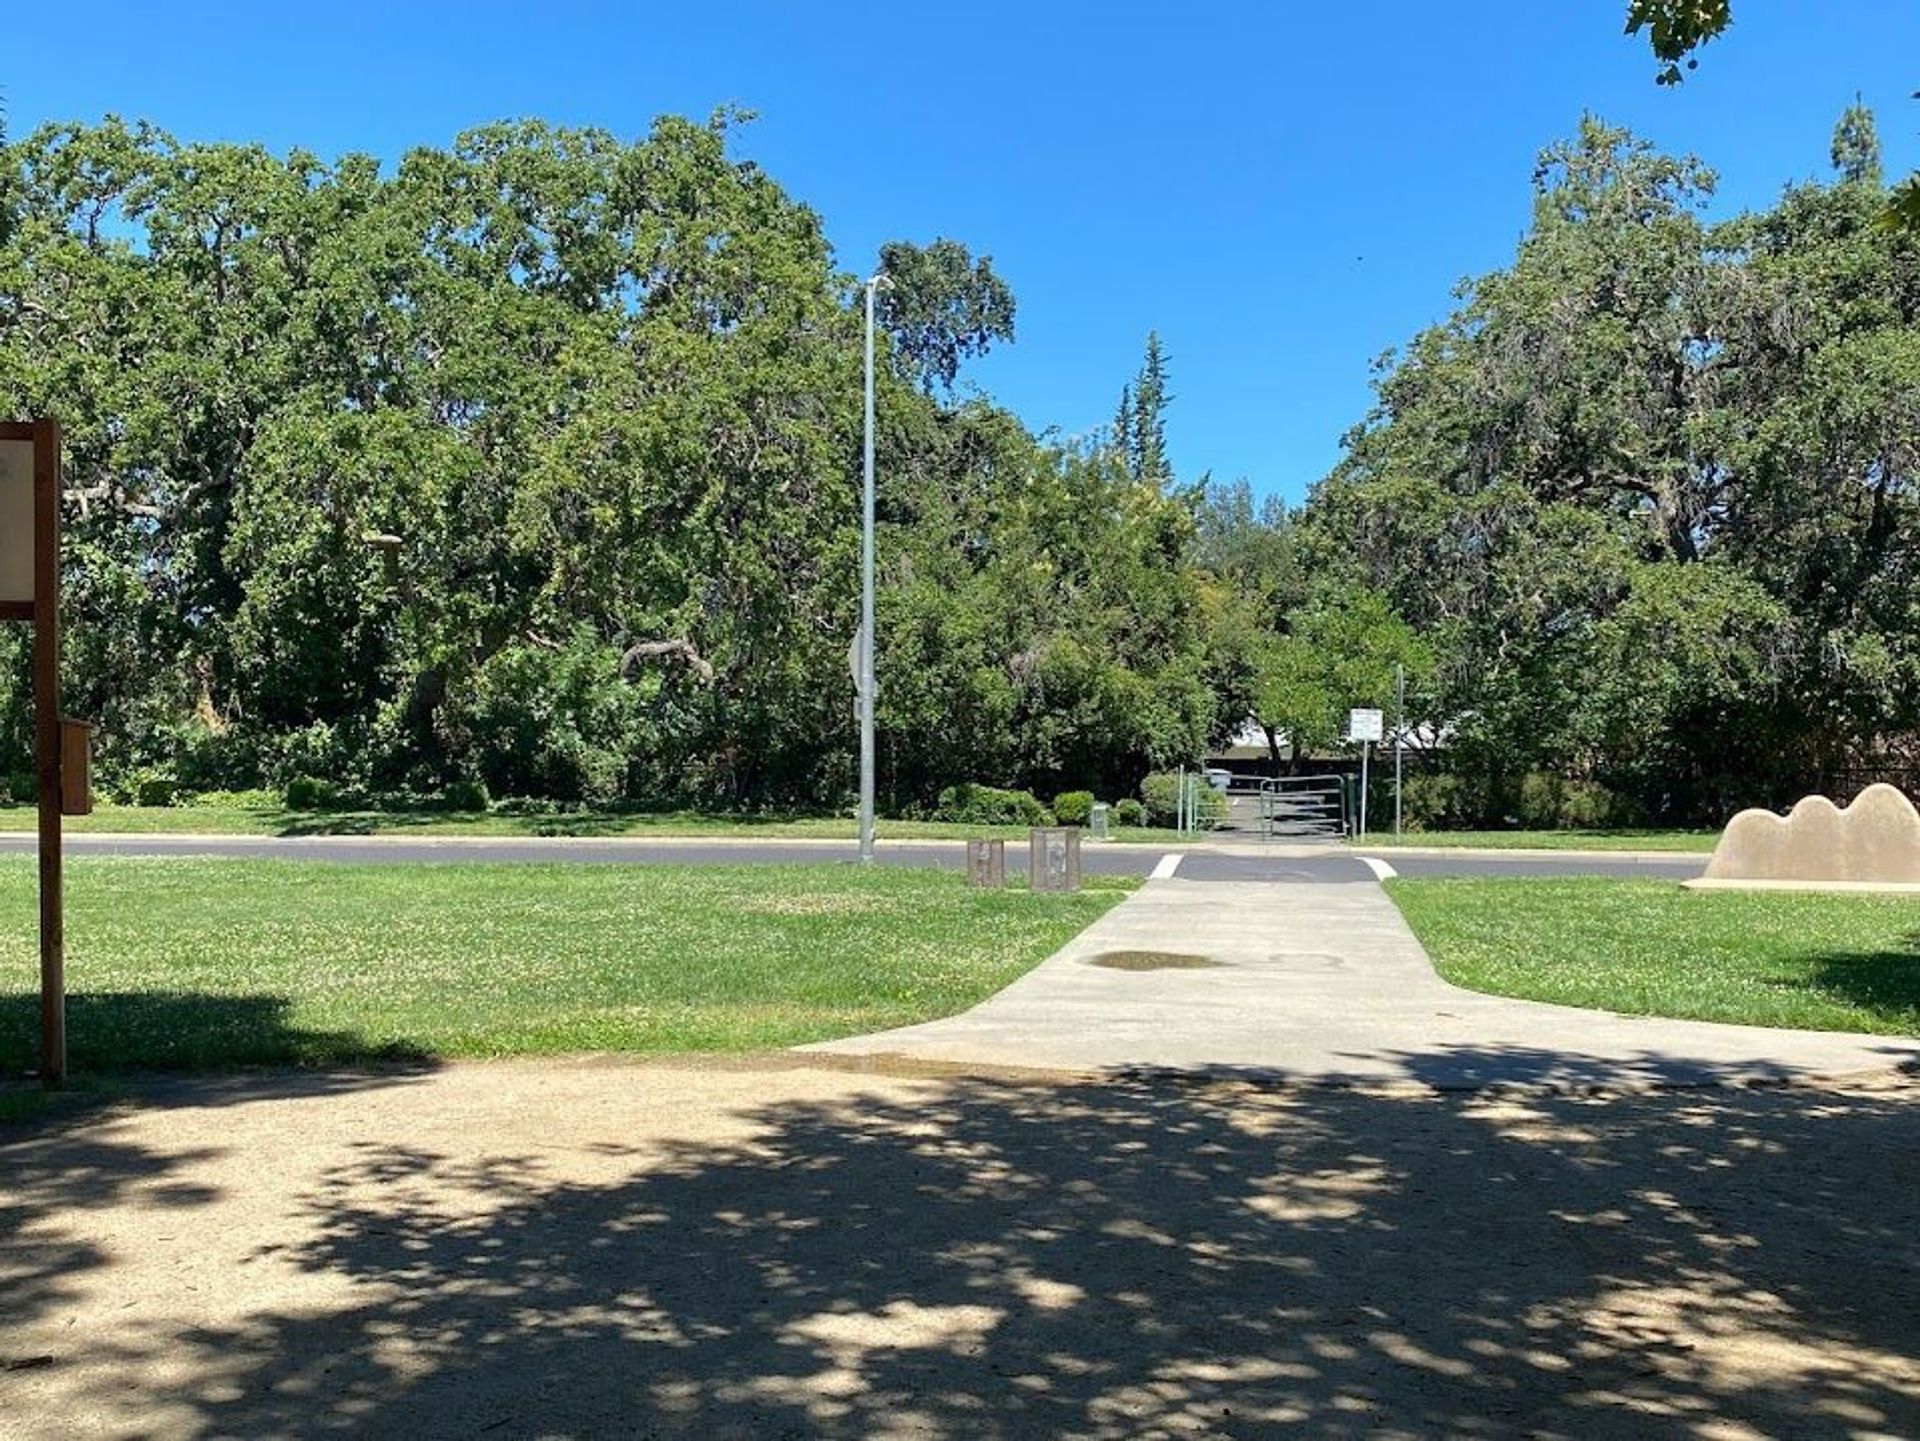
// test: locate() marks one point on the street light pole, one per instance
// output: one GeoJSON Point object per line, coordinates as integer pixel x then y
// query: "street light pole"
{"type": "Point", "coordinates": [866, 602]}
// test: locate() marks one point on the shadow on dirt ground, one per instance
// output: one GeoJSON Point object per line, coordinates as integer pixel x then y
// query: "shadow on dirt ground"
{"type": "Point", "coordinates": [183, 1030]}
{"type": "Point", "coordinates": [57, 1174]}
{"type": "Point", "coordinates": [971, 1258]}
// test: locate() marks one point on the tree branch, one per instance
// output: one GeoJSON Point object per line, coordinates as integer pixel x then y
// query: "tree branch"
{"type": "Point", "coordinates": [682, 650]}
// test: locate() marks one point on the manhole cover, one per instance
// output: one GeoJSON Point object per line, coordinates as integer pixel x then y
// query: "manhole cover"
{"type": "Point", "coordinates": [1152, 961]}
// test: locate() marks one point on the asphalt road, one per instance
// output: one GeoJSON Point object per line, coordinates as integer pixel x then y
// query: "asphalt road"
{"type": "Point", "coordinates": [1127, 860]}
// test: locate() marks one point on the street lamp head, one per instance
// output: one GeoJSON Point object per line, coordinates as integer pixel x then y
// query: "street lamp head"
{"type": "Point", "coordinates": [879, 278]}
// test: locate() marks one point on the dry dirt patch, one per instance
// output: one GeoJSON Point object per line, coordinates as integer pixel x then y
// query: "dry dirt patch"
{"type": "Point", "coordinates": [600, 1248]}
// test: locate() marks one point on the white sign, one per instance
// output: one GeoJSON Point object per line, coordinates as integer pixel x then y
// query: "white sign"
{"type": "Point", "coordinates": [16, 520]}
{"type": "Point", "coordinates": [1365, 725]}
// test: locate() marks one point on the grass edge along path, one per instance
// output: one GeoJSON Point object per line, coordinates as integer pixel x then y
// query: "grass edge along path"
{"type": "Point", "coordinates": [207, 963]}
{"type": "Point", "coordinates": [1677, 841]}
{"type": "Point", "coordinates": [1641, 947]}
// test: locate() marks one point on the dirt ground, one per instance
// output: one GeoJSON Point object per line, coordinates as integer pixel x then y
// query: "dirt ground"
{"type": "Point", "coordinates": [768, 1250]}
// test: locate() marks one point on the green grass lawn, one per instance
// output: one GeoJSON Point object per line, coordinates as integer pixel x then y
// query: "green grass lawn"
{"type": "Point", "coordinates": [1611, 840]}
{"type": "Point", "coordinates": [272, 820]}
{"type": "Point", "coordinates": [202, 963]}
{"type": "Point", "coordinates": [1767, 958]}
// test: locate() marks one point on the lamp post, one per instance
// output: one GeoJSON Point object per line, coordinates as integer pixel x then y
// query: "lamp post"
{"type": "Point", "coordinates": [865, 681]}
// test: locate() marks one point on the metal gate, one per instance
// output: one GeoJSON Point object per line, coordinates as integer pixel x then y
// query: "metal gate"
{"type": "Point", "coordinates": [1305, 808]}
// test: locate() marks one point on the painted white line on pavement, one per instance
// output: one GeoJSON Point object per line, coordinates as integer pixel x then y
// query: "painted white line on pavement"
{"type": "Point", "coordinates": [1381, 870]}
{"type": "Point", "coordinates": [1168, 865]}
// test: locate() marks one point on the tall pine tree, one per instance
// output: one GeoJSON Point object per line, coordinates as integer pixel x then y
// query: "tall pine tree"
{"type": "Point", "coordinates": [1148, 455]}
{"type": "Point", "coordinates": [1856, 146]}
{"type": "Point", "coordinates": [1123, 425]}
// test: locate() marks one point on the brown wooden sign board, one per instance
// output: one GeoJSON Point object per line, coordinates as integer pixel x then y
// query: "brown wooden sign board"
{"type": "Point", "coordinates": [30, 591]}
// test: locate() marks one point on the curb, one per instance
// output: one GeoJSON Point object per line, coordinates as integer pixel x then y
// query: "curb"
{"type": "Point", "coordinates": [1844, 888]}
{"type": "Point", "coordinates": [1360, 850]}
{"type": "Point", "coordinates": [1534, 853]}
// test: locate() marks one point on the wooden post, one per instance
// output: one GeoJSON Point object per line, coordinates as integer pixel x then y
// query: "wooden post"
{"type": "Point", "coordinates": [46, 725]}
{"type": "Point", "coordinates": [30, 591]}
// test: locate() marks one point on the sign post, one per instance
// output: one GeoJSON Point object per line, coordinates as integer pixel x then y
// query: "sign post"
{"type": "Point", "coordinates": [1365, 726]}
{"type": "Point", "coordinates": [30, 591]}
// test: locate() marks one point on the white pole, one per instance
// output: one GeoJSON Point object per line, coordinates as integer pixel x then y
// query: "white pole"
{"type": "Point", "coordinates": [1365, 746]}
{"type": "Point", "coordinates": [866, 605]}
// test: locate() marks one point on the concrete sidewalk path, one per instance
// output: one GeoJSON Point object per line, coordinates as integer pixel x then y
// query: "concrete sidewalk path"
{"type": "Point", "coordinates": [1326, 983]}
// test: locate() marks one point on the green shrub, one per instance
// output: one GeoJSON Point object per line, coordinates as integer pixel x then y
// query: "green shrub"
{"type": "Point", "coordinates": [144, 786]}
{"type": "Point", "coordinates": [1209, 805]}
{"type": "Point", "coordinates": [1433, 803]}
{"type": "Point", "coordinates": [22, 789]}
{"type": "Point", "coordinates": [1533, 800]}
{"type": "Point", "coordinates": [1073, 808]}
{"type": "Point", "coordinates": [470, 796]}
{"type": "Point", "coordinates": [1161, 793]}
{"type": "Point", "coordinates": [246, 800]}
{"type": "Point", "coordinates": [564, 724]}
{"type": "Point", "coordinates": [976, 805]}
{"type": "Point", "coordinates": [157, 791]}
{"type": "Point", "coordinates": [1158, 795]}
{"type": "Point", "coordinates": [1129, 812]}
{"type": "Point", "coordinates": [315, 751]}
{"type": "Point", "coordinates": [1537, 806]}
{"type": "Point", "coordinates": [529, 806]}
{"type": "Point", "coordinates": [1552, 802]}
{"type": "Point", "coordinates": [1589, 805]}
{"type": "Point", "coordinates": [204, 760]}
{"type": "Point", "coordinates": [310, 793]}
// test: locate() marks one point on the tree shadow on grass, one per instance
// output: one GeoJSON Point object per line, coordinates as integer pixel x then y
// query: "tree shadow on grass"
{"type": "Point", "coordinates": [117, 1031]}
{"type": "Point", "coordinates": [1141, 1256]}
{"type": "Point", "coordinates": [344, 824]}
{"type": "Point", "coordinates": [296, 824]}
{"type": "Point", "coordinates": [583, 824]}
{"type": "Point", "coordinates": [1884, 982]}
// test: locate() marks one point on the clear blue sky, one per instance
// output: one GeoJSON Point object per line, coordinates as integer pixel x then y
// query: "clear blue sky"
{"type": "Point", "coordinates": [1281, 190]}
